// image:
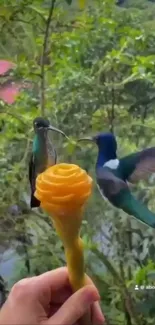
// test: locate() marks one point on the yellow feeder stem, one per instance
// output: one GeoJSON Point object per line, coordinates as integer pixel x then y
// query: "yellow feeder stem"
{"type": "Point", "coordinates": [63, 190]}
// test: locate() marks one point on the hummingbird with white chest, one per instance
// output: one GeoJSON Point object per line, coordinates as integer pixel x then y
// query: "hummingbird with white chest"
{"type": "Point", "coordinates": [43, 153]}
{"type": "Point", "coordinates": [113, 176]}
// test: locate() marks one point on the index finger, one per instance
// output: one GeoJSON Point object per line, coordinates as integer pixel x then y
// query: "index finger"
{"type": "Point", "coordinates": [44, 286]}
{"type": "Point", "coordinates": [55, 279]}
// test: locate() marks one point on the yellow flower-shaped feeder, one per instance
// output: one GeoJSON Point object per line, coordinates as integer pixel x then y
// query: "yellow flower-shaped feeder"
{"type": "Point", "coordinates": [63, 190]}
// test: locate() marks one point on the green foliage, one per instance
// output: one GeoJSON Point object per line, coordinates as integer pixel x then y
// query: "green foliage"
{"type": "Point", "coordinates": [87, 72]}
{"type": "Point", "coordinates": [69, 2]}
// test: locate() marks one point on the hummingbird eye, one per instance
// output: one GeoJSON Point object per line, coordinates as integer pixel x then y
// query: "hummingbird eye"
{"type": "Point", "coordinates": [38, 125]}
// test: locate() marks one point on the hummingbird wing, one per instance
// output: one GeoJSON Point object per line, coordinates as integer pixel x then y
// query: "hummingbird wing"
{"type": "Point", "coordinates": [109, 184]}
{"type": "Point", "coordinates": [36, 168]}
{"type": "Point", "coordinates": [34, 202]}
{"type": "Point", "coordinates": [138, 165]}
{"type": "Point", "coordinates": [118, 193]}
{"type": "Point", "coordinates": [52, 154]}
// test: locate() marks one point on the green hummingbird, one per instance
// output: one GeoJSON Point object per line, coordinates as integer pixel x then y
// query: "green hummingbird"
{"type": "Point", "coordinates": [43, 154]}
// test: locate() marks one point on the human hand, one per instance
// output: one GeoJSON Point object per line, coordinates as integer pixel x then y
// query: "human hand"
{"type": "Point", "coordinates": [47, 299]}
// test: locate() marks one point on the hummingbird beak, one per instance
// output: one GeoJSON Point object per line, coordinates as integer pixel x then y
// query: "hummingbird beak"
{"type": "Point", "coordinates": [87, 139]}
{"type": "Point", "coordinates": [52, 128]}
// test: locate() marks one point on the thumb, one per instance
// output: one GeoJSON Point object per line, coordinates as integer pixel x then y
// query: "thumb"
{"type": "Point", "coordinates": [75, 307]}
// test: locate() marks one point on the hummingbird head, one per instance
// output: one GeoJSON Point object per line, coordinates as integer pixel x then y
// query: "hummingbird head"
{"type": "Point", "coordinates": [42, 125]}
{"type": "Point", "coordinates": [106, 143]}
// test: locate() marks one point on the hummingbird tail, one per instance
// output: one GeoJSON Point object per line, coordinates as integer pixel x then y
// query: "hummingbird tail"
{"type": "Point", "coordinates": [35, 203]}
{"type": "Point", "coordinates": [129, 204]}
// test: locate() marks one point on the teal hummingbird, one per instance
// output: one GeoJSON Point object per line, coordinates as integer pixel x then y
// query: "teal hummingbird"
{"type": "Point", "coordinates": [113, 175]}
{"type": "Point", "coordinates": [43, 153]}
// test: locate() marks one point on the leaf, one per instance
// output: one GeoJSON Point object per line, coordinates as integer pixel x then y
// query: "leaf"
{"type": "Point", "coordinates": [5, 12]}
{"type": "Point", "coordinates": [82, 4]}
{"type": "Point", "coordinates": [71, 146]}
{"type": "Point", "coordinates": [37, 9]}
{"type": "Point", "coordinates": [151, 275]}
{"type": "Point", "coordinates": [69, 2]}
{"type": "Point", "coordinates": [146, 307]}
{"type": "Point", "coordinates": [107, 263]}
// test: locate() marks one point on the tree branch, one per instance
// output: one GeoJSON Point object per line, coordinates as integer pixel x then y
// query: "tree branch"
{"type": "Point", "coordinates": [112, 115]}
{"type": "Point", "coordinates": [48, 22]}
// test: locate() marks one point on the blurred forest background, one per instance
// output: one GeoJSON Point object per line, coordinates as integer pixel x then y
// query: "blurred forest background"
{"type": "Point", "coordinates": [87, 69]}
